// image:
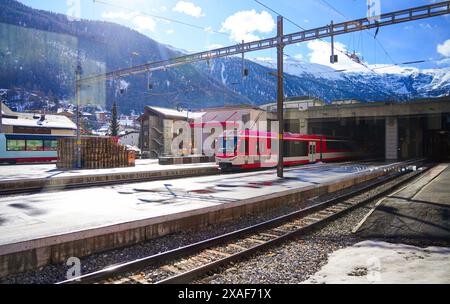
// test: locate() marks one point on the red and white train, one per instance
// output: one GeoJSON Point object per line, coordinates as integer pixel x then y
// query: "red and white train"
{"type": "Point", "coordinates": [253, 149]}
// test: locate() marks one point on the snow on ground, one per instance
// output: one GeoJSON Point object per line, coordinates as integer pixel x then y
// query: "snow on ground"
{"type": "Point", "coordinates": [385, 263]}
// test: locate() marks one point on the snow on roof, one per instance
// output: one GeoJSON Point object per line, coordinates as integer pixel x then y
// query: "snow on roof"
{"type": "Point", "coordinates": [227, 115]}
{"type": "Point", "coordinates": [176, 113]}
{"type": "Point", "coordinates": [126, 122]}
{"type": "Point", "coordinates": [6, 110]}
{"type": "Point", "coordinates": [60, 110]}
{"type": "Point", "coordinates": [51, 121]}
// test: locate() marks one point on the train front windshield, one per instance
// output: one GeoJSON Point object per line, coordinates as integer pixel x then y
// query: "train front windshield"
{"type": "Point", "coordinates": [227, 145]}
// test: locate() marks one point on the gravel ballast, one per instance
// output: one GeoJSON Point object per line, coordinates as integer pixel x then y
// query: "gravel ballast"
{"type": "Point", "coordinates": [289, 263]}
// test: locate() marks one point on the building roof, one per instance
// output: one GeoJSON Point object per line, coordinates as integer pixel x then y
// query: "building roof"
{"type": "Point", "coordinates": [229, 114]}
{"type": "Point", "coordinates": [175, 113]}
{"type": "Point", "coordinates": [37, 120]}
{"type": "Point", "coordinates": [6, 110]}
{"type": "Point", "coordinates": [231, 107]}
{"type": "Point", "coordinates": [302, 103]}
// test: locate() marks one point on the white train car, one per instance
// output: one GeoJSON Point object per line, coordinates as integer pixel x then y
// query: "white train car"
{"type": "Point", "coordinates": [25, 148]}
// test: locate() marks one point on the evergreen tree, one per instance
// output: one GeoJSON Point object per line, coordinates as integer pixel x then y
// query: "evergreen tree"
{"type": "Point", "coordinates": [114, 124]}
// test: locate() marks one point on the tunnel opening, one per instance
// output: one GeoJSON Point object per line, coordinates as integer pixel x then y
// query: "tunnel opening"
{"type": "Point", "coordinates": [368, 132]}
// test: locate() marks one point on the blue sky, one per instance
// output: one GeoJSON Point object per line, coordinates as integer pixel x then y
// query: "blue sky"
{"type": "Point", "coordinates": [246, 19]}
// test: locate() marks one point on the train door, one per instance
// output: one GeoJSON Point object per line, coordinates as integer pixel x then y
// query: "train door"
{"type": "Point", "coordinates": [312, 152]}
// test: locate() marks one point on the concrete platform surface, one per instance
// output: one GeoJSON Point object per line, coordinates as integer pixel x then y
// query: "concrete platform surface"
{"type": "Point", "coordinates": [49, 171]}
{"type": "Point", "coordinates": [420, 211]}
{"type": "Point", "coordinates": [48, 228]}
{"type": "Point", "coordinates": [30, 217]}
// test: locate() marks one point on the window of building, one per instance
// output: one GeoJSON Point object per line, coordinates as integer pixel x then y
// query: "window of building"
{"type": "Point", "coordinates": [292, 125]}
{"type": "Point", "coordinates": [15, 145]}
{"type": "Point", "coordinates": [50, 145]}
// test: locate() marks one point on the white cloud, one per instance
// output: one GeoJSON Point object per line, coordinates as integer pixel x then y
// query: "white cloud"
{"type": "Point", "coordinates": [188, 8]}
{"type": "Point", "coordinates": [243, 25]}
{"type": "Point", "coordinates": [444, 49]}
{"type": "Point", "coordinates": [299, 57]}
{"type": "Point", "coordinates": [320, 53]}
{"type": "Point", "coordinates": [138, 22]}
{"type": "Point", "coordinates": [143, 23]}
{"type": "Point", "coordinates": [445, 61]}
{"type": "Point", "coordinates": [170, 31]}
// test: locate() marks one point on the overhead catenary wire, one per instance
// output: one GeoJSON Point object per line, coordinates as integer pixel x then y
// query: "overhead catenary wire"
{"type": "Point", "coordinates": [325, 2]}
{"type": "Point", "coordinates": [410, 62]}
{"type": "Point", "coordinates": [425, 11]}
{"type": "Point", "coordinates": [302, 28]}
{"type": "Point", "coordinates": [358, 62]}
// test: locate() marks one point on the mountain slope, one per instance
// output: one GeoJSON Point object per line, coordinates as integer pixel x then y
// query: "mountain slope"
{"type": "Point", "coordinates": [38, 51]}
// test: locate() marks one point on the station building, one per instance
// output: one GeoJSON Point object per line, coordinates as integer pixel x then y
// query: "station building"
{"type": "Point", "coordinates": [157, 130]}
{"type": "Point", "coordinates": [157, 126]}
{"type": "Point", "coordinates": [390, 130]}
{"type": "Point", "coordinates": [393, 130]}
{"type": "Point", "coordinates": [28, 123]}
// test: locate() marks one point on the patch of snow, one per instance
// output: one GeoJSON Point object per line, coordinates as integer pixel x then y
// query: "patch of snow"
{"type": "Point", "coordinates": [123, 85]}
{"type": "Point", "coordinates": [393, 69]}
{"type": "Point", "coordinates": [441, 77]}
{"type": "Point", "coordinates": [222, 71]}
{"type": "Point", "coordinates": [298, 68]}
{"type": "Point", "coordinates": [385, 263]}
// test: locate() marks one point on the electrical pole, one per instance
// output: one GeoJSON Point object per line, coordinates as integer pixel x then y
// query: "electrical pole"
{"type": "Point", "coordinates": [78, 97]}
{"type": "Point", "coordinates": [280, 97]}
{"type": "Point", "coordinates": [332, 58]}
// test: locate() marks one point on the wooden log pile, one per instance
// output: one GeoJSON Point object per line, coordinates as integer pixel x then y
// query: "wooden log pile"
{"type": "Point", "coordinates": [96, 153]}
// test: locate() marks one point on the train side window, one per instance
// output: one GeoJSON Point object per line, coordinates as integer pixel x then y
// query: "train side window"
{"type": "Point", "coordinates": [50, 145]}
{"type": "Point", "coordinates": [295, 148]}
{"type": "Point", "coordinates": [35, 145]}
{"type": "Point", "coordinates": [15, 145]}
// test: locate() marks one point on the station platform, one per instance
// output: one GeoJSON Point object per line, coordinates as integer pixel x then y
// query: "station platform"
{"type": "Point", "coordinates": [47, 177]}
{"type": "Point", "coordinates": [45, 228]}
{"type": "Point", "coordinates": [419, 212]}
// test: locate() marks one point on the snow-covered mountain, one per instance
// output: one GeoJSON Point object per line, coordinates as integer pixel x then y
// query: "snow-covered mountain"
{"type": "Point", "coordinates": [49, 68]}
{"type": "Point", "coordinates": [377, 83]}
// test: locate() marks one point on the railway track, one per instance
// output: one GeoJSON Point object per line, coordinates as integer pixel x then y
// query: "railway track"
{"type": "Point", "coordinates": [187, 263]}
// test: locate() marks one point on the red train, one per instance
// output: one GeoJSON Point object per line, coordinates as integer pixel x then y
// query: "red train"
{"type": "Point", "coordinates": [253, 149]}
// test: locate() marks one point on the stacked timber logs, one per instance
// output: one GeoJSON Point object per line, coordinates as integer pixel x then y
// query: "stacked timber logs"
{"type": "Point", "coordinates": [96, 153]}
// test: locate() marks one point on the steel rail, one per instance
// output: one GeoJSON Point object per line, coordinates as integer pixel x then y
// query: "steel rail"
{"type": "Point", "coordinates": [191, 275]}
{"type": "Point", "coordinates": [160, 258]}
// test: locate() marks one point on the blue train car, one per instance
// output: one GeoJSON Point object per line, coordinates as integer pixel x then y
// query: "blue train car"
{"type": "Point", "coordinates": [23, 148]}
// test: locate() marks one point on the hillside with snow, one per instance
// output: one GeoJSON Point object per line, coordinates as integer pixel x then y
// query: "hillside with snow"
{"type": "Point", "coordinates": [49, 69]}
